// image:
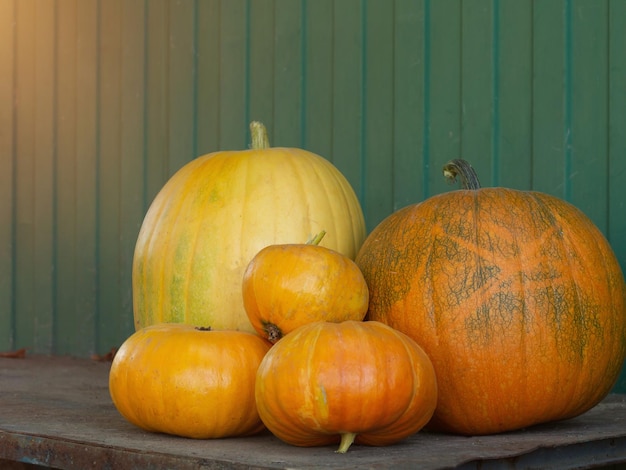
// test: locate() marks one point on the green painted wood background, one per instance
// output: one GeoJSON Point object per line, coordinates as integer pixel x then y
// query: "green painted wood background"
{"type": "Point", "coordinates": [101, 101]}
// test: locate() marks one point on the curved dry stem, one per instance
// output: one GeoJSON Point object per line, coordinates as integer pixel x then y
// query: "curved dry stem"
{"type": "Point", "coordinates": [462, 168]}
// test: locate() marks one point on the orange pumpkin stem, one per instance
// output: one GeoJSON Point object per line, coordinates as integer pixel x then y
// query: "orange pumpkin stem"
{"type": "Point", "coordinates": [258, 134]}
{"type": "Point", "coordinates": [317, 238]}
{"type": "Point", "coordinates": [347, 438]}
{"type": "Point", "coordinates": [462, 168]}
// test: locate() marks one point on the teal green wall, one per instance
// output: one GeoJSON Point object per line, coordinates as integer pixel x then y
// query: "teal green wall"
{"type": "Point", "coordinates": [101, 101]}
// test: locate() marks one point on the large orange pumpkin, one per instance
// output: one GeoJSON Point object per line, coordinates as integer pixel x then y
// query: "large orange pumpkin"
{"type": "Point", "coordinates": [328, 382]}
{"type": "Point", "coordinates": [217, 212]}
{"type": "Point", "coordinates": [189, 382]}
{"type": "Point", "coordinates": [516, 297]}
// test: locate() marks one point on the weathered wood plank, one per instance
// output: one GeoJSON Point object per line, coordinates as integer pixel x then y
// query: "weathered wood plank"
{"type": "Point", "coordinates": [57, 412]}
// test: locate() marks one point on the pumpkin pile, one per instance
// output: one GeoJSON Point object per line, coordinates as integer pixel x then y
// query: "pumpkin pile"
{"type": "Point", "coordinates": [477, 311]}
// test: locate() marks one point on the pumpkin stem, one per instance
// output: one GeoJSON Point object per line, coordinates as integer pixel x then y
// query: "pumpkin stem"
{"type": "Point", "coordinates": [347, 438]}
{"type": "Point", "coordinates": [273, 332]}
{"type": "Point", "coordinates": [258, 133]}
{"type": "Point", "coordinates": [317, 238]}
{"type": "Point", "coordinates": [462, 168]}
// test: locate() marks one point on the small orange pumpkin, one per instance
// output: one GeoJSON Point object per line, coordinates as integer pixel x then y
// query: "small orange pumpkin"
{"type": "Point", "coordinates": [351, 381]}
{"type": "Point", "coordinates": [190, 382]}
{"type": "Point", "coordinates": [516, 297]}
{"type": "Point", "coordinates": [286, 286]}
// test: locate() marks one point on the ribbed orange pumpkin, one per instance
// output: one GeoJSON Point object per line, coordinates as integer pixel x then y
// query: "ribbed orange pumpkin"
{"type": "Point", "coordinates": [217, 212]}
{"type": "Point", "coordinates": [325, 382]}
{"type": "Point", "coordinates": [188, 382]}
{"type": "Point", "coordinates": [516, 297]}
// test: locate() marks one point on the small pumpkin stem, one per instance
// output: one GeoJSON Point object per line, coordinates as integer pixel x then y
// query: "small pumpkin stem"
{"type": "Point", "coordinates": [258, 134]}
{"type": "Point", "coordinates": [462, 168]}
{"type": "Point", "coordinates": [347, 438]}
{"type": "Point", "coordinates": [273, 332]}
{"type": "Point", "coordinates": [317, 238]}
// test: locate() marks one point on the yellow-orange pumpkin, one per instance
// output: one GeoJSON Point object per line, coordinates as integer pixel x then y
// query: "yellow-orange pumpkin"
{"type": "Point", "coordinates": [189, 382]}
{"type": "Point", "coordinates": [516, 297]}
{"type": "Point", "coordinates": [325, 382]}
{"type": "Point", "coordinates": [217, 212]}
{"type": "Point", "coordinates": [287, 286]}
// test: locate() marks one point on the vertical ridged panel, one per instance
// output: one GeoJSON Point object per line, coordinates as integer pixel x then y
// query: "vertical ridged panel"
{"type": "Point", "coordinates": [181, 72]}
{"type": "Point", "coordinates": [444, 90]}
{"type": "Point", "coordinates": [67, 179]}
{"type": "Point", "coordinates": [83, 302]}
{"type": "Point", "coordinates": [616, 211]}
{"type": "Point", "coordinates": [410, 62]}
{"type": "Point", "coordinates": [318, 77]}
{"type": "Point", "coordinates": [110, 290]}
{"type": "Point", "coordinates": [131, 151]}
{"type": "Point", "coordinates": [377, 115]}
{"type": "Point", "coordinates": [207, 76]}
{"type": "Point", "coordinates": [261, 64]}
{"type": "Point", "coordinates": [156, 111]}
{"type": "Point", "coordinates": [513, 97]}
{"type": "Point", "coordinates": [233, 64]}
{"type": "Point", "coordinates": [347, 90]}
{"type": "Point", "coordinates": [8, 31]}
{"type": "Point", "coordinates": [551, 77]}
{"type": "Point", "coordinates": [616, 125]}
{"type": "Point", "coordinates": [34, 173]}
{"type": "Point", "coordinates": [287, 72]}
{"type": "Point", "coordinates": [101, 101]}
{"type": "Point", "coordinates": [477, 86]}
{"type": "Point", "coordinates": [588, 165]}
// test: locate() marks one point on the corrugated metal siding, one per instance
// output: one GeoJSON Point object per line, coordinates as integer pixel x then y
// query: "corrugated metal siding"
{"type": "Point", "coordinates": [100, 101]}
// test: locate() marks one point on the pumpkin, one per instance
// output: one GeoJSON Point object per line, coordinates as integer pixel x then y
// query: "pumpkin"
{"type": "Point", "coordinates": [187, 381]}
{"type": "Point", "coordinates": [217, 212]}
{"type": "Point", "coordinates": [345, 382]}
{"type": "Point", "coordinates": [289, 285]}
{"type": "Point", "coordinates": [516, 296]}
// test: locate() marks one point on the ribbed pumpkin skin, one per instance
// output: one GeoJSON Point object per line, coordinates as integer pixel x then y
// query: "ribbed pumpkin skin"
{"type": "Point", "coordinates": [516, 297]}
{"type": "Point", "coordinates": [324, 379]}
{"type": "Point", "coordinates": [216, 213]}
{"type": "Point", "coordinates": [175, 379]}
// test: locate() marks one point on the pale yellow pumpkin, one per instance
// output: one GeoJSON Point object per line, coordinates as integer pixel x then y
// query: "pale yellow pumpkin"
{"type": "Point", "coordinates": [221, 209]}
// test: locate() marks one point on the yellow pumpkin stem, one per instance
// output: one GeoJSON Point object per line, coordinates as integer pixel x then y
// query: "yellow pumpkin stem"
{"type": "Point", "coordinates": [347, 438]}
{"type": "Point", "coordinates": [258, 133]}
{"type": "Point", "coordinates": [462, 168]}
{"type": "Point", "coordinates": [317, 238]}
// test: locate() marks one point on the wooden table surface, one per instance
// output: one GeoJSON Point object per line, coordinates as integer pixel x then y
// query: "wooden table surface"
{"type": "Point", "coordinates": [56, 411]}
